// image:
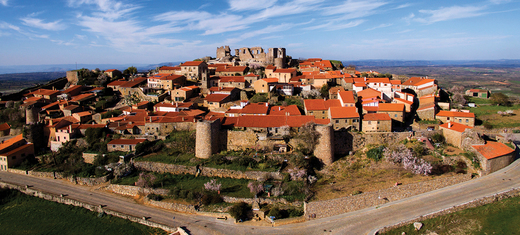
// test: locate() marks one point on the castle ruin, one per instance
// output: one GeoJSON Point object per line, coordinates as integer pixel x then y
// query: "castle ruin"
{"type": "Point", "coordinates": [276, 56]}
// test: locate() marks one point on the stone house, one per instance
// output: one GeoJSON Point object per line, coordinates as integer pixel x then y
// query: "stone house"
{"type": "Point", "coordinates": [283, 75]}
{"type": "Point", "coordinates": [465, 118]}
{"type": "Point", "coordinates": [14, 151]}
{"type": "Point", "coordinates": [453, 132]}
{"type": "Point", "coordinates": [478, 93]}
{"type": "Point", "coordinates": [289, 110]}
{"type": "Point", "coordinates": [395, 111]}
{"type": "Point", "coordinates": [427, 112]}
{"type": "Point", "coordinates": [319, 108]}
{"type": "Point", "coordinates": [73, 90]}
{"type": "Point", "coordinates": [83, 117]}
{"type": "Point", "coordinates": [172, 81]}
{"type": "Point", "coordinates": [231, 91]}
{"type": "Point", "coordinates": [115, 84]}
{"type": "Point", "coordinates": [232, 81]}
{"type": "Point", "coordinates": [172, 106]}
{"type": "Point", "coordinates": [113, 73]}
{"type": "Point", "coordinates": [265, 85]}
{"type": "Point", "coordinates": [70, 109]}
{"type": "Point", "coordinates": [370, 97]}
{"type": "Point", "coordinates": [347, 82]}
{"type": "Point", "coordinates": [5, 129]}
{"type": "Point", "coordinates": [251, 79]}
{"type": "Point", "coordinates": [376, 122]}
{"type": "Point", "coordinates": [128, 88]}
{"type": "Point", "coordinates": [46, 94]}
{"type": "Point", "coordinates": [195, 70]}
{"type": "Point", "coordinates": [383, 85]}
{"type": "Point", "coordinates": [344, 118]}
{"type": "Point", "coordinates": [215, 101]}
{"type": "Point", "coordinates": [124, 145]}
{"type": "Point", "coordinates": [184, 93]}
{"type": "Point", "coordinates": [494, 156]}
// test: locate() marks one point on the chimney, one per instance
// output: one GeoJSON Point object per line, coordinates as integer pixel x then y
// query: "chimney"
{"type": "Point", "coordinates": [70, 128]}
{"type": "Point", "coordinates": [150, 119]}
{"type": "Point", "coordinates": [449, 124]}
{"type": "Point", "coordinates": [266, 104]}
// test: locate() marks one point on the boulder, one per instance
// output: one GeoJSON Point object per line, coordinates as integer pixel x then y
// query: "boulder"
{"type": "Point", "coordinates": [417, 226]}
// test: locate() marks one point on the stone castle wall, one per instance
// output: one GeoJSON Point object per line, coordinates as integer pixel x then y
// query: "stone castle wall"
{"type": "Point", "coordinates": [327, 208]}
{"type": "Point", "coordinates": [205, 171]}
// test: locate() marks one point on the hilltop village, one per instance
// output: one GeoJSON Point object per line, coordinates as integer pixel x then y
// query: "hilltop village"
{"type": "Point", "coordinates": [263, 104]}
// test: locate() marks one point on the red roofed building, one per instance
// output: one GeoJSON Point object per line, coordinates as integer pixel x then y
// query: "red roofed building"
{"type": "Point", "coordinates": [169, 70]}
{"type": "Point", "coordinates": [421, 85]}
{"type": "Point", "coordinates": [215, 101]}
{"type": "Point", "coordinates": [113, 73]}
{"type": "Point", "coordinates": [319, 108]}
{"type": "Point", "coordinates": [255, 109]}
{"type": "Point", "coordinates": [376, 122]}
{"type": "Point", "coordinates": [347, 98]}
{"type": "Point", "coordinates": [452, 132]}
{"type": "Point", "coordinates": [14, 151]}
{"type": "Point", "coordinates": [124, 145]}
{"type": "Point", "coordinates": [333, 92]}
{"type": "Point", "coordinates": [184, 93]}
{"type": "Point", "coordinates": [232, 81]}
{"type": "Point", "coordinates": [369, 97]}
{"type": "Point", "coordinates": [231, 70]}
{"type": "Point", "coordinates": [265, 85]}
{"type": "Point", "coordinates": [478, 93]}
{"type": "Point", "coordinates": [283, 75]}
{"type": "Point", "coordinates": [395, 111]}
{"type": "Point", "coordinates": [195, 70]}
{"type": "Point", "coordinates": [494, 156]}
{"type": "Point", "coordinates": [344, 118]}
{"type": "Point", "coordinates": [290, 110]}
{"type": "Point", "coordinates": [45, 94]}
{"type": "Point", "coordinates": [5, 129]}
{"type": "Point", "coordinates": [272, 125]}
{"type": "Point", "coordinates": [465, 118]}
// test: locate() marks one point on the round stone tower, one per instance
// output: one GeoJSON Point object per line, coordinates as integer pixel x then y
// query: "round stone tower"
{"type": "Point", "coordinates": [206, 138]}
{"type": "Point", "coordinates": [279, 63]}
{"type": "Point", "coordinates": [32, 114]}
{"type": "Point", "coordinates": [325, 148]}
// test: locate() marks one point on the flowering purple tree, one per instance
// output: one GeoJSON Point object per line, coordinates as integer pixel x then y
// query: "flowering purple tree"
{"type": "Point", "coordinates": [145, 180]}
{"type": "Point", "coordinates": [402, 155]}
{"type": "Point", "coordinates": [296, 173]}
{"type": "Point", "coordinates": [255, 187]}
{"type": "Point", "coordinates": [212, 185]}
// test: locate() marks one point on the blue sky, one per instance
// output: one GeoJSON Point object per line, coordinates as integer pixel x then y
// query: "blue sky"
{"type": "Point", "coordinates": [153, 31]}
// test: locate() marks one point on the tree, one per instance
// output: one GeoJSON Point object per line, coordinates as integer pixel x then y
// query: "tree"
{"type": "Point", "coordinates": [240, 210]}
{"type": "Point", "coordinates": [309, 136]}
{"type": "Point", "coordinates": [500, 99]}
{"type": "Point", "coordinates": [145, 180]}
{"type": "Point", "coordinates": [212, 185]}
{"type": "Point", "coordinates": [400, 154]}
{"type": "Point", "coordinates": [458, 98]}
{"type": "Point", "coordinates": [130, 70]}
{"type": "Point", "coordinates": [324, 90]}
{"type": "Point", "coordinates": [457, 89]}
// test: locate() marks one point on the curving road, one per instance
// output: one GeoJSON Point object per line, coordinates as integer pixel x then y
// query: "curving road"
{"type": "Point", "coordinates": [365, 221]}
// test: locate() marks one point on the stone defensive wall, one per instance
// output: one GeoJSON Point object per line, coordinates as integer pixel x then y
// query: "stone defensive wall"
{"type": "Point", "coordinates": [472, 204]}
{"type": "Point", "coordinates": [205, 171]}
{"type": "Point", "coordinates": [327, 208]}
{"type": "Point", "coordinates": [133, 191]}
{"type": "Point", "coordinates": [96, 208]}
{"type": "Point", "coordinates": [59, 175]}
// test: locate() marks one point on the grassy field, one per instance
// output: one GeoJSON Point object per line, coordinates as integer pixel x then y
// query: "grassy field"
{"type": "Point", "coordinates": [497, 218]}
{"type": "Point", "coordinates": [23, 214]}
{"type": "Point", "coordinates": [488, 113]}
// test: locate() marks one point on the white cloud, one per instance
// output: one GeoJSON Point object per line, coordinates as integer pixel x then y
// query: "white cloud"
{"type": "Point", "coordinates": [81, 37]}
{"type": "Point", "coordinates": [38, 23]}
{"type": "Point", "coordinates": [378, 27]}
{"type": "Point", "coordinates": [3, 2]}
{"type": "Point", "coordinates": [334, 25]}
{"type": "Point", "coordinates": [450, 13]}
{"type": "Point", "coordinates": [355, 8]}
{"type": "Point", "coordinates": [5, 25]}
{"type": "Point", "coordinates": [499, 1]}
{"type": "Point", "coordinates": [241, 5]}
{"type": "Point", "coordinates": [403, 6]}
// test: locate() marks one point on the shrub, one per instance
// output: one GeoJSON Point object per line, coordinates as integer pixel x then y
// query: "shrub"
{"type": "Point", "coordinates": [240, 210]}
{"type": "Point", "coordinates": [376, 153]}
{"type": "Point", "coordinates": [487, 125]}
{"type": "Point", "coordinates": [438, 138]}
{"type": "Point", "coordinates": [174, 192]}
{"type": "Point", "coordinates": [212, 185]}
{"type": "Point", "coordinates": [275, 211]}
{"type": "Point", "coordinates": [154, 197]}
{"type": "Point", "coordinates": [211, 198]}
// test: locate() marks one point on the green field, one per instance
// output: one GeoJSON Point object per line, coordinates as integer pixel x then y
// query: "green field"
{"type": "Point", "coordinates": [23, 214]}
{"type": "Point", "coordinates": [500, 217]}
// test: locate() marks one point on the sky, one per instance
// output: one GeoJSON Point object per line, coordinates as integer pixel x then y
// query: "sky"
{"type": "Point", "coordinates": [156, 31]}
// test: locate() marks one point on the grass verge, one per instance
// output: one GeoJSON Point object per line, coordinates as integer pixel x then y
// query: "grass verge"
{"type": "Point", "coordinates": [23, 214]}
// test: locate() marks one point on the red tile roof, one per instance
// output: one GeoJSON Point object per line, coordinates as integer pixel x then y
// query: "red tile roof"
{"type": "Point", "coordinates": [117, 83]}
{"type": "Point", "coordinates": [273, 121]}
{"type": "Point", "coordinates": [455, 126]}
{"type": "Point", "coordinates": [270, 80]}
{"type": "Point", "coordinates": [285, 70]}
{"type": "Point", "coordinates": [343, 112]}
{"type": "Point", "coordinates": [4, 126]}
{"type": "Point", "coordinates": [169, 68]}
{"type": "Point", "coordinates": [133, 83]}
{"type": "Point", "coordinates": [455, 114]}
{"type": "Point", "coordinates": [73, 89]}
{"type": "Point", "coordinates": [110, 70]}
{"type": "Point", "coordinates": [192, 63]}
{"type": "Point", "coordinates": [232, 79]}
{"type": "Point", "coordinates": [403, 101]}
{"type": "Point", "coordinates": [7, 143]}
{"type": "Point", "coordinates": [412, 81]}
{"type": "Point", "coordinates": [216, 97]}
{"type": "Point", "coordinates": [369, 93]}
{"type": "Point", "coordinates": [292, 110]}
{"type": "Point", "coordinates": [43, 92]}
{"type": "Point", "coordinates": [126, 141]}
{"type": "Point", "coordinates": [258, 108]}
{"type": "Point", "coordinates": [376, 117]}
{"type": "Point", "coordinates": [390, 107]}
{"type": "Point", "coordinates": [378, 80]}
{"type": "Point", "coordinates": [320, 104]}
{"type": "Point", "coordinates": [347, 97]}
{"type": "Point", "coordinates": [492, 150]}
{"type": "Point", "coordinates": [82, 97]}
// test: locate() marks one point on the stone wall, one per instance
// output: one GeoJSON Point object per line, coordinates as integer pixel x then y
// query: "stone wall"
{"type": "Point", "coordinates": [171, 206]}
{"type": "Point", "coordinates": [321, 209]}
{"type": "Point", "coordinates": [87, 206]}
{"type": "Point", "coordinates": [60, 175]}
{"type": "Point", "coordinates": [89, 157]}
{"type": "Point", "coordinates": [475, 203]}
{"type": "Point", "coordinates": [269, 201]}
{"type": "Point", "coordinates": [205, 171]}
{"type": "Point", "coordinates": [133, 191]}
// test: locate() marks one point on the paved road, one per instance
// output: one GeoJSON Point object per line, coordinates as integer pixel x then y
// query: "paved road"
{"type": "Point", "coordinates": [359, 222]}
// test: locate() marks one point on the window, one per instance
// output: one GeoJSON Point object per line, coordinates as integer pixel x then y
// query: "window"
{"type": "Point", "coordinates": [337, 121]}
{"type": "Point", "coordinates": [369, 122]}
{"type": "Point", "coordinates": [396, 115]}
{"type": "Point", "coordinates": [467, 120]}
{"type": "Point", "coordinates": [113, 146]}
{"type": "Point", "coordinates": [121, 146]}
